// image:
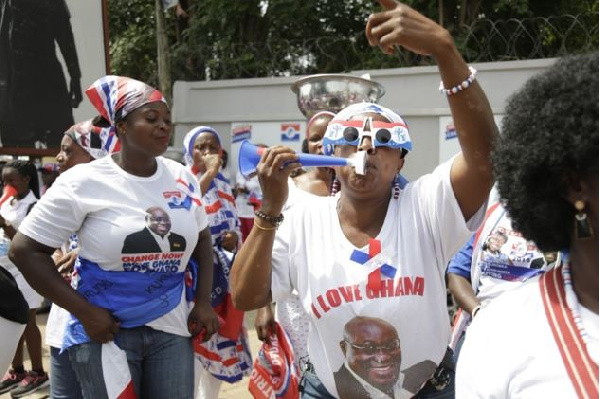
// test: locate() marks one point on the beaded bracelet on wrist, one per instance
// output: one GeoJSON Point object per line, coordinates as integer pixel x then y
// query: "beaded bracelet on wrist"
{"type": "Point", "coordinates": [275, 221]}
{"type": "Point", "coordinates": [461, 86]}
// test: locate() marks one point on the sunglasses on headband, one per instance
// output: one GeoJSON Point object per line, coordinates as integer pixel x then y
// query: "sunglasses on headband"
{"type": "Point", "coordinates": [393, 135]}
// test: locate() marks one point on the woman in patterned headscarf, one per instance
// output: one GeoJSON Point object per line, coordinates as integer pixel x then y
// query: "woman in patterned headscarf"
{"type": "Point", "coordinates": [81, 143]}
{"type": "Point", "coordinates": [139, 220]}
{"type": "Point", "coordinates": [215, 358]}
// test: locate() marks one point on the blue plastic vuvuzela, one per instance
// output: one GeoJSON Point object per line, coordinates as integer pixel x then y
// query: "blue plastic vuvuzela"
{"type": "Point", "coordinates": [249, 156]}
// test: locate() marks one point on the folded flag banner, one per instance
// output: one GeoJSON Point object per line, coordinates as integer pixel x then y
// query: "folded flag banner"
{"type": "Point", "coordinates": [275, 375]}
{"type": "Point", "coordinates": [115, 370]}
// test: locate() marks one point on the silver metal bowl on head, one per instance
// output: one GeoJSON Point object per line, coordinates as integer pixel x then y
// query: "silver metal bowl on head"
{"type": "Point", "coordinates": [333, 92]}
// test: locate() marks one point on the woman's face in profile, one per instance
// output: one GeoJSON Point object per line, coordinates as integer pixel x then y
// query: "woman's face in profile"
{"type": "Point", "coordinates": [316, 131]}
{"type": "Point", "coordinates": [70, 154]}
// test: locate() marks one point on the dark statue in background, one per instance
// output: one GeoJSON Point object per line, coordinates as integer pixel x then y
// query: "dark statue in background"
{"type": "Point", "coordinates": [35, 101]}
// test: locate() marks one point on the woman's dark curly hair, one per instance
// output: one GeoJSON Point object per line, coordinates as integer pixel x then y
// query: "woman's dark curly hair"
{"type": "Point", "coordinates": [549, 136]}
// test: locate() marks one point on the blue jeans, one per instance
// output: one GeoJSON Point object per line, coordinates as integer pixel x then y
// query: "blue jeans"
{"type": "Point", "coordinates": [311, 387]}
{"type": "Point", "coordinates": [161, 364]}
{"type": "Point", "coordinates": [63, 381]}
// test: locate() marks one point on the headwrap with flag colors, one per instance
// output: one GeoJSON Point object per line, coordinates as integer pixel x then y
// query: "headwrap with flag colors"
{"type": "Point", "coordinates": [396, 136]}
{"type": "Point", "coordinates": [97, 141]}
{"type": "Point", "coordinates": [116, 96]}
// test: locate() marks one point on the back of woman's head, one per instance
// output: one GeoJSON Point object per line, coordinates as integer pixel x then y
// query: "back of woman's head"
{"type": "Point", "coordinates": [549, 137]}
{"type": "Point", "coordinates": [27, 168]}
{"type": "Point", "coordinates": [100, 121]}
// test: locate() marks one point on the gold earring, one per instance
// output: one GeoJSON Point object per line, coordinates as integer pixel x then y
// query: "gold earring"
{"type": "Point", "coordinates": [583, 227]}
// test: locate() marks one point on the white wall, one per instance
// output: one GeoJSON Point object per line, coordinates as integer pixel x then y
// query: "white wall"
{"type": "Point", "coordinates": [267, 103]}
{"type": "Point", "coordinates": [88, 31]}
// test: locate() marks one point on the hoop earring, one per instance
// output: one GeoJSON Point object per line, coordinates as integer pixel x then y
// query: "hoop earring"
{"type": "Point", "coordinates": [396, 188]}
{"type": "Point", "coordinates": [335, 187]}
{"type": "Point", "coordinates": [583, 226]}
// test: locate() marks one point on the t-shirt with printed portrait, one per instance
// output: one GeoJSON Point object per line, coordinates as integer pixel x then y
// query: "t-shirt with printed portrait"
{"type": "Point", "coordinates": [396, 281]}
{"type": "Point", "coordinates": [125, 223]}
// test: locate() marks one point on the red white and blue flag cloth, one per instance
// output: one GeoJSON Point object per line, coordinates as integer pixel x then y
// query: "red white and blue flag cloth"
{"type": "Point", "coordinates": [116, 96]}
{"type": "Point", "coordinates": [127, 300]}
{"type": "Point", "coordinates": [382, 272]}
{"type": "Point", "coordinates": [567, 332]}
{"type": "Point", "coordinates": [226, 359]}
{"type": "Point", "coordinates": [115, 371]}
{"type": "Point", "coordinates": [275, 373]}
{"type": "Point", "coordinates": [97, 141]}
{"type": "Point", "coordinates": [226, 354]}
{"type": "Point", "coordinates": [219, 204]}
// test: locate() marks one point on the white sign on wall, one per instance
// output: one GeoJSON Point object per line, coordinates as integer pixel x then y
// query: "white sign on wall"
{"type": "Point", "coordinates": [290, 134]}
{"type": "Point", "coordinates": [88, 31]}
{"type": "Point", "coordinates": [448, 139]}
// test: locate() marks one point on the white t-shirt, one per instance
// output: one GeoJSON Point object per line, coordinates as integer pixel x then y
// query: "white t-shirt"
{"type": "Point", "coordinates": [244, 208]}
{"type": "Point", "coordinates": [421, 231]}
{"type": "Point", "coordinates": [510, 352]}
{"type": "Point", "coordinates": [296, 195]}
{"type": "Point", "coordinates": [55, 326]}
{"type": "Point", "coordinates": [106, 207]}
{"type": "Point", "coordinates": [59, 317]}
{"type": "Point", "coordinates": [13, 210]}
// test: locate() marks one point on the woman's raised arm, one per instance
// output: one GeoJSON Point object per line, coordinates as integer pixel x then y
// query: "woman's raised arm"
{"type": "Point", "coordinates": [400, 25]}
{"type": "Point", "coordinates": [251, 271]}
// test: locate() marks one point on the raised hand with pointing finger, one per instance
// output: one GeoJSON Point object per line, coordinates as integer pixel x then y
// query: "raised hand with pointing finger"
{"type": "Point", "coordinates": [399, 25]}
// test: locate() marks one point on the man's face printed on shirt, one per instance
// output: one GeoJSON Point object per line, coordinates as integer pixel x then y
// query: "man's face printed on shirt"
{"type": "Point", "coordinates": [158, 221]}
{"type": "Point", "coordinates": [372, 350]}
{"type": "Point", "coordinates": [496, 242]}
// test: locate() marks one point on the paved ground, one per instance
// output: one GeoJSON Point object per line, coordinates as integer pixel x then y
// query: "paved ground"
{"type": "Point", "coordinates": [228, 391]}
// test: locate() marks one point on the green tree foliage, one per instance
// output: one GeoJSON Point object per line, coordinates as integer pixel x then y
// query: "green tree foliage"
{"type": "Point", "coordinates": [249, 38]}
{"type": "Point", "coordinates": [132, 39]}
